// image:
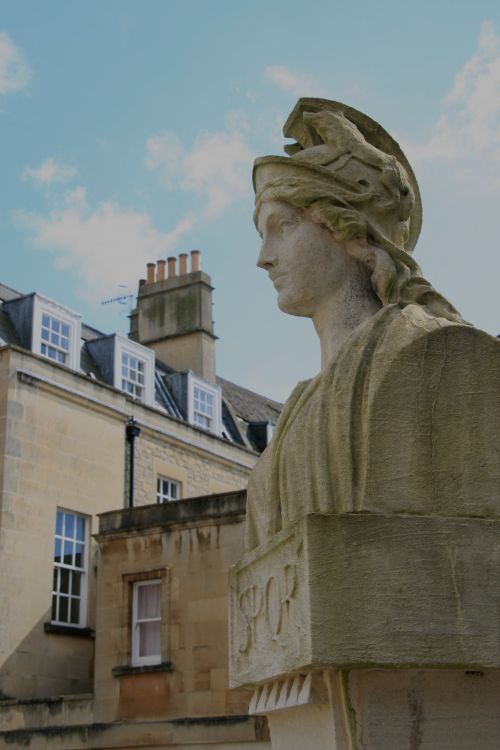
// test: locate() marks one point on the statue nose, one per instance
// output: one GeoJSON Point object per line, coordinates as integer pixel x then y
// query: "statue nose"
{"type": "Point", "coordinates": [265, 259]}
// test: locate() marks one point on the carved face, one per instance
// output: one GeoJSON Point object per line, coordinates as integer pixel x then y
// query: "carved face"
{"type": "Point", "coordinates": [305, 262]}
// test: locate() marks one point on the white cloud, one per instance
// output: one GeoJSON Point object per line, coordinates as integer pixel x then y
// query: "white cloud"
{"type": "Point", "coordinates": [165, 151]}
{"type": "Point", "coordinates": [105, 246]}
{"type": "Point", "coordinates": [469, 126]}
{"type": "Point", "coordinates": [14, 70]}
{"type": "Point", "coordinates": [50, 171]}
{"type": "Point", "coordinates": [299, 84]}
{"type": "Point", "coordinates": [216, 168]}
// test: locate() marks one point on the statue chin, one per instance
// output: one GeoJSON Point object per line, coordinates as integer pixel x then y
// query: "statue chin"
{"type": "Point", "coordinates": [291, 306]}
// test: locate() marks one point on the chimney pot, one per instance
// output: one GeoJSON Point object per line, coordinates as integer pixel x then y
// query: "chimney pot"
{"type": "Point", "coordinates": [171, 267]}
{"type": "Point", "coordinates": [183, 264]}
{"type": "Point", "coordinates": [195, 260]}
{"type": "Point", "coordinates": [150, 274]}
{"type": "Point", "coordinates": [142, 282]}
{"type": "Point", "coordinates": [160, 270]}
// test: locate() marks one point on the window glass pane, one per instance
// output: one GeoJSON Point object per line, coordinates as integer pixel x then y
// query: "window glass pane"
{"type": "Point", "coordinates": [79, 556]}
{"type": "Point", "coordinates": [75, 583]}
{"type": "Point", "coordinates": [59, 522]}
{"type": "Point", "coordinates": [54, 608]}
{"type": "Point", "coordinates": [149, 639]}
{"type": "Point", "coordinates": [173, 491]}
{"type": "Point", "coordinates": [65, 330]}
{"type": "Point", "coordinates": [148, 601]}
{"type": "Point", "coordinates": [80, 528]}
{"type": "Point", "coordinates": [45, 320]}
{"type": "Point", "coordinates": [57, 551]}
{"type": "Point", "coordinates": [55, 584]}
{"type": "Point", "coordinates": [68, 552]}
{"type": "Point", "coordinates": [63, 608]}
{"type": "Point", "coordinates": [202, 421]}
{"type": "Point", "coordinates": [69, 525]}
{"type": "Point", "coordinates": [64, 581]}
{"type": "Point", "coordinates": [75, 611]}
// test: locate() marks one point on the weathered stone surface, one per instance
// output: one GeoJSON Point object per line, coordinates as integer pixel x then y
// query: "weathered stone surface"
{"type": "Point", "coordinates": [357, 590]}
{"type": "Point", "coordinates": [373, 517]}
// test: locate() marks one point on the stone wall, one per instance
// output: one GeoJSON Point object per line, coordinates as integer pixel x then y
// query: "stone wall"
{"type": "Point", "coordinates": [62, 440]}
{"type": "Point", "coordinates": [190, 544]}
{"type": "Point", "coordinates": [197, 472]}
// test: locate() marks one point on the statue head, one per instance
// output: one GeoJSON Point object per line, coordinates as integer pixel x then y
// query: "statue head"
{"type": "Point", "coordinates": [350, 170]}
{"type": "Point", "coordinates": [352, 177]}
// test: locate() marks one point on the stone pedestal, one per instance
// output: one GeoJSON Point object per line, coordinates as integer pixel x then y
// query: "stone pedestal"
{"type": "Point", "coordinates": [372, 632]}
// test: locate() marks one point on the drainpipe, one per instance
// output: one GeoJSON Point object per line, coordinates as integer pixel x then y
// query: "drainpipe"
{"type": "Point", "coordinates": [132, 430]}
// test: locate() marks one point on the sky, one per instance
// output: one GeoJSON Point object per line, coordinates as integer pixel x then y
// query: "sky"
{"type": "Point", "coordinates": [129, 129]}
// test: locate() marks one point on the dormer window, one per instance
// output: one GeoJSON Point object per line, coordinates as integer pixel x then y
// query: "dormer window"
{"type": "Point", "coordinates": [56, 332]}
{"type": "Point", "coordinates": [127, 365]}
{"type": "Point", "coordinates": [199, 400]}
{"type": "Point", "coordinates": [203, 407]}
{"type": "Point", "coordinates": [133, 375]}
{"type": "Point", "coordinates": [134, 369]}
{"type": "Point", "coordinates": [55, 339]}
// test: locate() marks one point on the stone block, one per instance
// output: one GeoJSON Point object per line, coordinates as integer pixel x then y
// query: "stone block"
{"type": "Point", "coordinates": [367, 590]}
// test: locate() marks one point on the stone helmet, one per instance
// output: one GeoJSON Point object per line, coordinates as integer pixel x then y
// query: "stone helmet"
{"type": "Point", "coordinates": [350, 169]}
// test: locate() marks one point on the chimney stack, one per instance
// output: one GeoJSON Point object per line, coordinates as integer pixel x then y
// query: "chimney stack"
{"type": "Point", "coordinates": [174, 315]}
{"type": "Point", "coordinates": [195, 261]}
{"type": "Point", "coordinates": [160, 270]}
{"type": "Point", "coordinates": [171, 267]}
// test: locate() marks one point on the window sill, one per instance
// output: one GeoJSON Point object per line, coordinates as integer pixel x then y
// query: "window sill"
{"type": "Point", "coordinates": [55, 628]}
{"type": "Point", "coordinates": [165, 666]}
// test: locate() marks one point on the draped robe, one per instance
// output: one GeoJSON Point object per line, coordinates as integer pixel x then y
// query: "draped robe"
{"type": "Point", "coordinates": [405, 420]}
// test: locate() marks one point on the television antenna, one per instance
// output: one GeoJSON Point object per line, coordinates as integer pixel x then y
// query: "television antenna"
{"type": "Point", "coordinates": [127, 298]}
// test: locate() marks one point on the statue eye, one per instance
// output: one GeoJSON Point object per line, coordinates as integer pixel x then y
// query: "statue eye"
{"type": "Point", "coordinates": [285, 224]}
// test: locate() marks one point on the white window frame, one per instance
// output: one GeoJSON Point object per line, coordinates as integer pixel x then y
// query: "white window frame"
{"type": "Point", "coordinates": [83, 571]}
{"type": "Point", "coordinates": [215, 392]}
{"type": "Point", "coordinates": [144, 355]}
{"type": "Point", "coordinates": [152, 659]}
{"type": "Point", "coordinates": [43, 305]}
{"type": "Point", "coordinates": [162, 497]}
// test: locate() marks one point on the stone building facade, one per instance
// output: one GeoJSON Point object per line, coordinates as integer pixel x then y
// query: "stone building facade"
{"type": "Point", "coordinates": [66, 456]}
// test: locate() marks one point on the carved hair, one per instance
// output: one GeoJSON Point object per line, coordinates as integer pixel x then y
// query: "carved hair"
{"type": "Point", "coordinates": [359, 193]}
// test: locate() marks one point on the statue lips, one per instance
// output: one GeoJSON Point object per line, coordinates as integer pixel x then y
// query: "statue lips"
{"type": "Point", "coordinates": [275, 278]}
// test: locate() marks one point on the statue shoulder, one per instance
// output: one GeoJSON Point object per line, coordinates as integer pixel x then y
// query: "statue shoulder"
{"type": "Point", "coordinates": [432, 421]}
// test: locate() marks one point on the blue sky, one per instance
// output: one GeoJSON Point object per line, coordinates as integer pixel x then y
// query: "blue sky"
{"type": "Point", "coordinates": [129, 128]}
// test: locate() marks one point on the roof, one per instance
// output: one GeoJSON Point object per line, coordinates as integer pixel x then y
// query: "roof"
{"type": "Point", "coordinates": [243, 411]}
{"type": "Point", "coordinates": [248, 405]}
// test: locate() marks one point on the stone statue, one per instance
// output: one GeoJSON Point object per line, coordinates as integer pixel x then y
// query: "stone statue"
{"type": "Point", "coordinates": [404, 397]}
{"type": "Point", "coordinates": [364, 612]}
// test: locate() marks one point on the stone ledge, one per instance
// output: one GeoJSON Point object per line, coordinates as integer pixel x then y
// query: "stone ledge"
{"type": "Point", "coordinates": [126, 669]}
{"type": "Point", "coordinates": [56, 629]}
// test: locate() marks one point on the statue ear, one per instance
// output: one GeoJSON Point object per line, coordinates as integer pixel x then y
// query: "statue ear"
{"type": "Point", "coordinates": [361, 250]}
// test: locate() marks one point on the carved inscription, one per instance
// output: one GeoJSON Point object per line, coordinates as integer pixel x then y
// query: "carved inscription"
{"type": "Point", "coordinates": [266, 606]}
